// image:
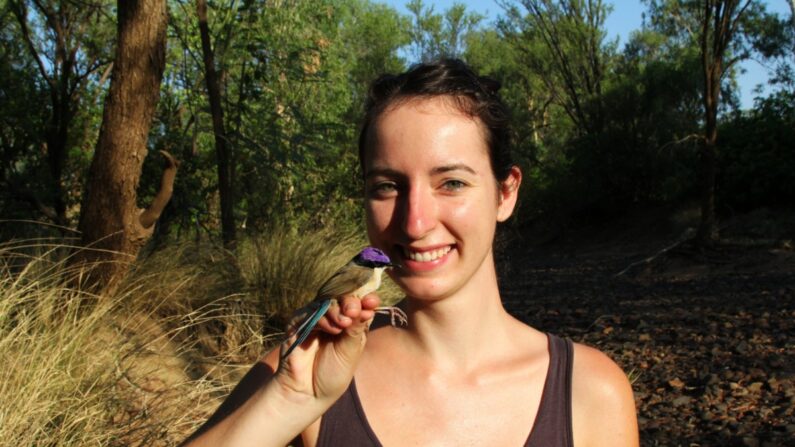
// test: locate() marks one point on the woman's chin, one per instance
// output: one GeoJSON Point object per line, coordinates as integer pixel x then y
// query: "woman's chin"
{"type": "Point", "coordinates": [422, 289]}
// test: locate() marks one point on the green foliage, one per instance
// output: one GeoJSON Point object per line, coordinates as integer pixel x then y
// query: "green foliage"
{"type": "Point", "coordinates": [563, 43]}
{"type": "Point", "coordinates": [594, 128]}
{"type": "Point", "coordinates": [435, 35]}
{"type": "Point", "coordinates": [646, 150]}
{"type": "Point", "coordinates": [21, 121]}
{"type": "Point", "coordinates": [294, 75]}
{"type": "Point", "coordinates": [53, 58]}
{"type": "Point", "coordinates": [757, 156]}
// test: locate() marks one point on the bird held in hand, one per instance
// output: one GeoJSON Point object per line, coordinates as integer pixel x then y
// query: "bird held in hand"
{"type": "Point", "coordinates": [360, 276]}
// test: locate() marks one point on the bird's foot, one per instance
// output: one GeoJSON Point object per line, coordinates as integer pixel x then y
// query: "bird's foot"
{"type": "Point", "coordinates": [396, 315]}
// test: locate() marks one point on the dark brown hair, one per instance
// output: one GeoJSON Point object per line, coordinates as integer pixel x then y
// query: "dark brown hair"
{"type": "Point", "coordinates": [473, 95]}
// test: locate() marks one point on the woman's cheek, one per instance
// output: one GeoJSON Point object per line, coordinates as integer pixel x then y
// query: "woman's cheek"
{"type": "Point", "coordinates": [378, 215]}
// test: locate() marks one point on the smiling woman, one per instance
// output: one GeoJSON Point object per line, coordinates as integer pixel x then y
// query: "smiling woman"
{"type": "Point", "coordinates": [438, 179]}
{"type": "Point", "coordinates": [432, 198]}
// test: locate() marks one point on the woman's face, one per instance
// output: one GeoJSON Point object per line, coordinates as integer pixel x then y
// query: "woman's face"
{"type": "Point", "coordinates": [432, 200]}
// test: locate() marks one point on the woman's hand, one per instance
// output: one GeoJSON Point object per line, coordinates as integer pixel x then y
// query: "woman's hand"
{"type": "Point", "coordinates": [271, 409]}
{"type": "Point", "coordinates": [322, 367]}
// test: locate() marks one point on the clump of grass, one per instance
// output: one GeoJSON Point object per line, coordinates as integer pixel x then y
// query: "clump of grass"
{"type": "Point", "coordinates": [100, 370]}
{"type": "Point", "coordinates": [148, 364]}
{"type": "Point", "coordinates": [56, 356]}
{"type": "Point", "coordinates": [284, 268]}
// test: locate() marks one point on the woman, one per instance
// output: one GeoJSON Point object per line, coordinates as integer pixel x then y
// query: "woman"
{"type": "Point", "coordinates": [438, 178]}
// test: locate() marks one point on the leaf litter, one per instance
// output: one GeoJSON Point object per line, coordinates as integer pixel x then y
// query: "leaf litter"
{"type": "Point", "coordinates": [707, 337]}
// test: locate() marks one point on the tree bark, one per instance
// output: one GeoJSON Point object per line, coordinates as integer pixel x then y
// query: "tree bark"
{"type": "Point", "coordinates": [221, 148]}
{"type": "Point", "coordinates": [112, 232]}
{"type": "Point", "coordinates": [710, 100]}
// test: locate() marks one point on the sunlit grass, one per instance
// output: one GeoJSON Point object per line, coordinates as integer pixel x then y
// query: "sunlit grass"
{"type": "Point", "coordinates": [287, 267]}
{"type": "Point", "coordinates": [148, 364]}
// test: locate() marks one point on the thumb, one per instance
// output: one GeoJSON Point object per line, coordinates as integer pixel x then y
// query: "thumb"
{"type": "Point", "coordinates": [353, 339]}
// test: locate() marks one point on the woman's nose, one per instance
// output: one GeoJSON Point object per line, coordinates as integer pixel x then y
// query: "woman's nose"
{"type": "Point", "coordinates": [419, 211]}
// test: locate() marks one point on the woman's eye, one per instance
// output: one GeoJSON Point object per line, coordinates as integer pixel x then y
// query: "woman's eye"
{"type": "Point", "coordinates": [383, 189]}
{"type": "Point", "coordinates": [453, 185]}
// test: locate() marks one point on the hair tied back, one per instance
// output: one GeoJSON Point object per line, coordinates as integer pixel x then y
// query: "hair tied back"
{"type": "Point", "coordinates": [491, 86]}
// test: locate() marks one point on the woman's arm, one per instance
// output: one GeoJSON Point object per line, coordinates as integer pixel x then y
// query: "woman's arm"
{"type": "Point", "coordinates": [603, 405]}
{"type": "Point", "coordinates": [275, 402]}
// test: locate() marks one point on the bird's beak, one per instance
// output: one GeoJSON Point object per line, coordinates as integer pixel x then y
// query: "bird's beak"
{"type": "Point", "coordinates": [392, 265]}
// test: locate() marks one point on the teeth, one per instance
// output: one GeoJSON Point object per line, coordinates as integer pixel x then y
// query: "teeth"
{"type": "Point", "coordinates": [426, 256]}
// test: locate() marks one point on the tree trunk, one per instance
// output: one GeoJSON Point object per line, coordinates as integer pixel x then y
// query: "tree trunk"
{"type": "Point", "coordinates": [56, 136]}
{"type": "Point", "coordinates": [112, 232]}
{"type": "Point", "coordinates": [217, 112]}
{"type": "Point", "coordinates": [706, 234]}
{"type": "Point", "coordinates": [711, 66]}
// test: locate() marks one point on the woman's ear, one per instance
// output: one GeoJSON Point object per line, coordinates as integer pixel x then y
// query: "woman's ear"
{"type": "Point", "coordinates": [508, 194]}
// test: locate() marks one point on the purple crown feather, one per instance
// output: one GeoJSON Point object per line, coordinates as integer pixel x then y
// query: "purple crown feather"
{"type": "Point", "coordinates": [373, 255]}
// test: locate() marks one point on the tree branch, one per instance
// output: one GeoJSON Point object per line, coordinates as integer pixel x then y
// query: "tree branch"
{"type": "Point", "coordinates": [20, 12]}
{"type": "Point", "coordinates": [150, 215]}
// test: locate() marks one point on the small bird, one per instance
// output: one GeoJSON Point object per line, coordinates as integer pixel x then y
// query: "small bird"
{"type": "Point", "coordinates": [360, 276]}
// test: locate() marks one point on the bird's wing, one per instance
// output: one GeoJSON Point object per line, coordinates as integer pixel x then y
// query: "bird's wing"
{"type": "Point", "coordinates": [345, 281]}
{"type": "Point", "coordinates": [305, 328]}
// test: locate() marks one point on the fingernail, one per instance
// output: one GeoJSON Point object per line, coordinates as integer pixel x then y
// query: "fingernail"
{"type": "Point", "coordinates": [344, 319]}
{"type": "Point", "coordinates": [347, 307]}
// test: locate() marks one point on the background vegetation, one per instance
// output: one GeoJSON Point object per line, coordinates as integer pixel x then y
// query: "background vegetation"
{"type": "Point", "coordinates": [598, 128]}
{"type": "Point", "coordinates": [268, 171]}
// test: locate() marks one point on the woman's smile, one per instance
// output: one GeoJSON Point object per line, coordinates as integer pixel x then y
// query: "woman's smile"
{"type": "Point", "coordinates": [425, 259]}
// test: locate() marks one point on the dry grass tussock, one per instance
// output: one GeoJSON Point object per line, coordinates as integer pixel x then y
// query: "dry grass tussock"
{"type": "Point", "coordinates": [149, 364]}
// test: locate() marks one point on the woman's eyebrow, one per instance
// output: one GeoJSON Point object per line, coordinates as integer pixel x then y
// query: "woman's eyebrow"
{"type": "Point", "coordinates": [453, 167]}
{"type": "Point", "coordinates": [385, 172]}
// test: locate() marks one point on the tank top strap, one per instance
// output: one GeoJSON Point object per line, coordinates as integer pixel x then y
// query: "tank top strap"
{"type": "Point", "coordinates": [552, 427]}
{"type": "Point", "coordinates": [346, 424]}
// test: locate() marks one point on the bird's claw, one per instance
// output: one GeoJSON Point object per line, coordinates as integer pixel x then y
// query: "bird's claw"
{"type": "Point", "coordinates": [396, 315]}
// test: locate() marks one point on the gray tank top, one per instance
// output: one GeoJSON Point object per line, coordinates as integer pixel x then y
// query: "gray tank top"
{"type": "Point", "coordinates": [345, 424]}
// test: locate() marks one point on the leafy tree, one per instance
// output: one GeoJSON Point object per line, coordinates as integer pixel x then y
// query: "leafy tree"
{"type": "Point", "coordinates": [440, 35]}
{"type": "Point", "coordinates": [757, 163]}
{"type": "Point", "coordinates": [369, 37]}
{"type": "Point", "coordinates": [22, 119]}
{"type": "Point", "coordinates": [291, 79]}
{"type": "Point", "coordinates": [66, 43]}
{"type": "Point", "coordinates": [112, 227]}
{"type": "Point", "coordinates": [564, 42]}
{"type": "Point", "coordinates": [725, 33]}
{"type": "Point", "coordinates": [222, 149]}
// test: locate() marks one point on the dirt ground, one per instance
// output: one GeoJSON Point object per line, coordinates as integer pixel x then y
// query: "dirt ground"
{"type": "Point", "coordinates": [706, 336]}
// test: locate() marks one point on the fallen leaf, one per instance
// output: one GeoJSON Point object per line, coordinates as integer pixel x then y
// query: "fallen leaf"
{"type": "Point", "coordinates": [676, 383]}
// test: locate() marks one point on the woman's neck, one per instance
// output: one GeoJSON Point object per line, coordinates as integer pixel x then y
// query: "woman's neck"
{"type": "Point", "coordinates": [460, 330]}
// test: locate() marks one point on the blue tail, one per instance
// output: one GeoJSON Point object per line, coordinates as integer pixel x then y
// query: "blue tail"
{"type": "Point", "coordinates": [306, 326]}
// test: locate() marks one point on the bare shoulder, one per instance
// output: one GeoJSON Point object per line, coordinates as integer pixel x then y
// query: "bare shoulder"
{"type": "Point", "coordinates": [603, 406]}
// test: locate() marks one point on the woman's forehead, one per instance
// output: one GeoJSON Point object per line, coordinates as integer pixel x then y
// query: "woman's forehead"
{"type": "Point", "coordinates": [426, 130]}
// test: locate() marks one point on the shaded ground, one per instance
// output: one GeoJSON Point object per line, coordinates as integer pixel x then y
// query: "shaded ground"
{"type": "Point", "coordinates": [707, 337]}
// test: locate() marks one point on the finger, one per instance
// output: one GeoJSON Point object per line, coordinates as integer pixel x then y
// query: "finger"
{"type": "Point", "coordinates": [370, 301]}
{"type": "Point", "coordinates": [326, 324]}
{"type": "Point", "coordinates": [335, 316]}
{"type": "Point", "coordinates": [356, 332]}
{"type": "Point", "coordinates": [350, 344]}
{"type": "Point", "coordinates": [351, 306]}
